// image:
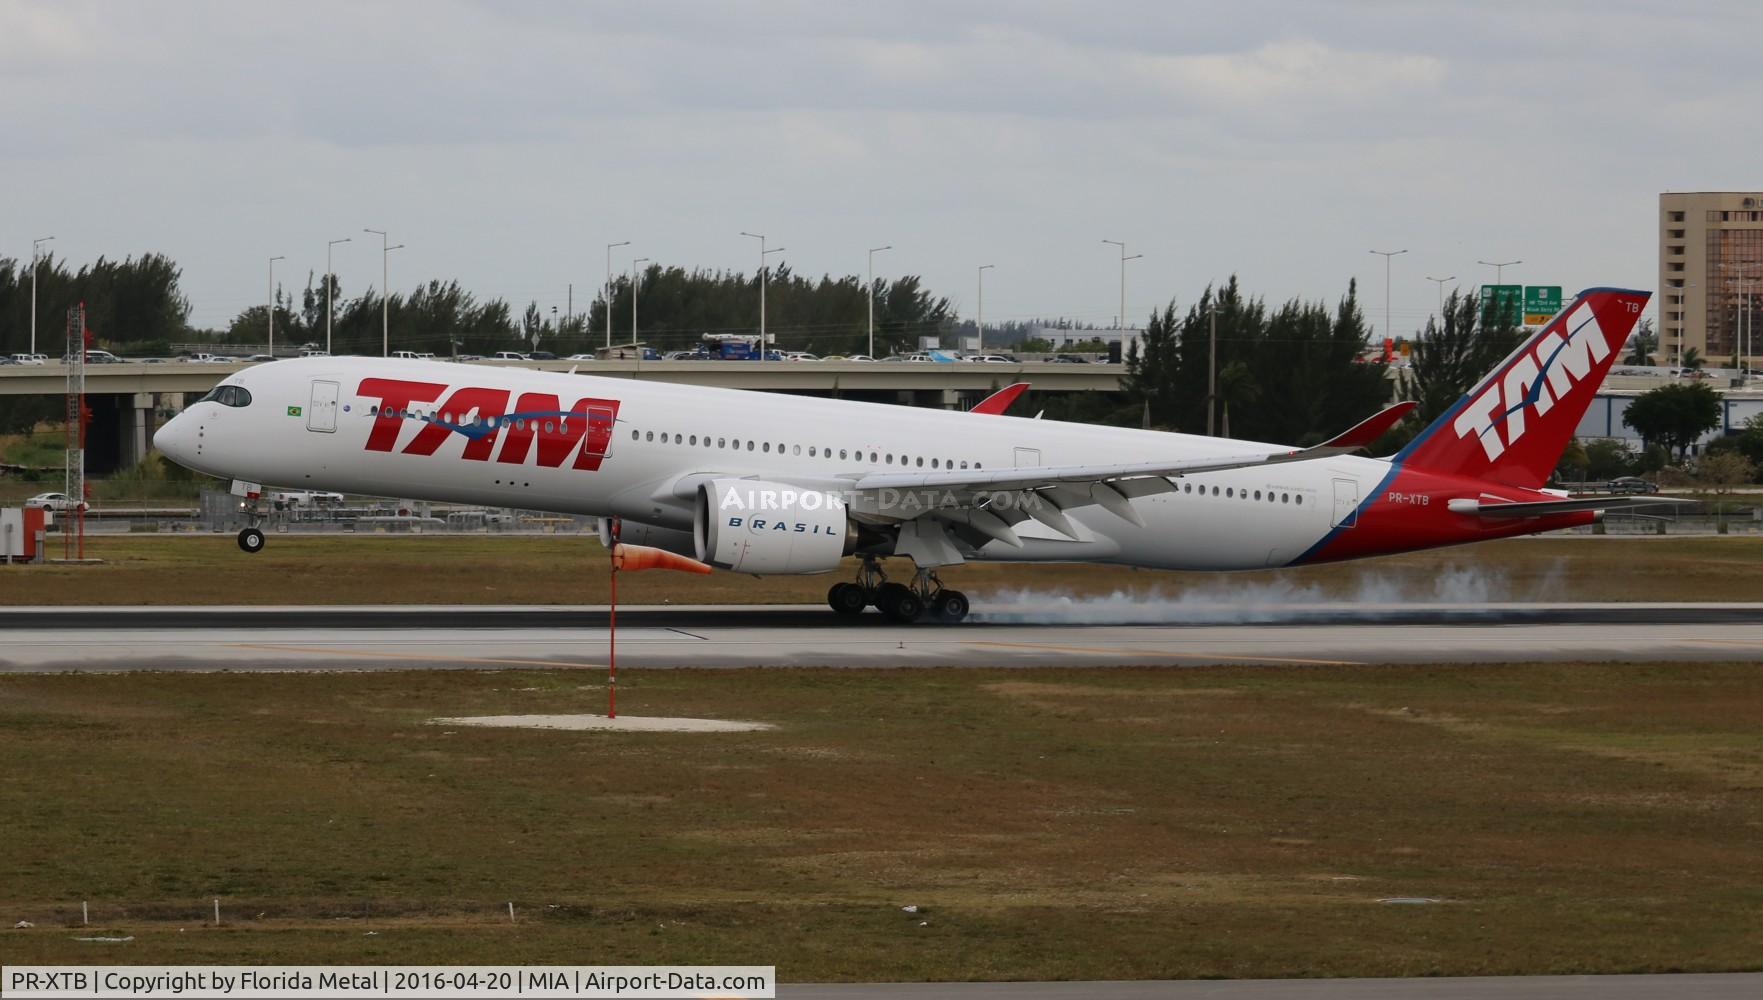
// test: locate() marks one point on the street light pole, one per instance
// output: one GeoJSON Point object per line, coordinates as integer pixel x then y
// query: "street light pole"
{"type": "Point", "coordinates": [1441, 284]}
{"type": "Point", "coordinates": [330, 279]}
{"type": "Point", "coordinates": [979, 312]}
{"type": "Point", "coordinates": [1499, 267]}
{"type": "Point", "coordinates": [385, 293]}
{"type": "Point", "coordinates": [764, 344]}
{"type": "Point", "coordinates": [272, 261]}
{"type": "Point", "coordinates": [1123, 259]}
{"type": "Point", "coordinates": [609, 246]}
{"type": "Point", "coordinates": [872, 252]}
{"type": "Point", "coordinates": [636, 280]}
{"type": "Point", "coordinates": [1387, 255]}
{"type": "Point", "coordinates": [34, 265]}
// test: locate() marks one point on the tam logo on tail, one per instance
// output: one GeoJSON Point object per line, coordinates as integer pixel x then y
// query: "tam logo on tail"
{"type": "Point", "coordinates": [1513, 426]}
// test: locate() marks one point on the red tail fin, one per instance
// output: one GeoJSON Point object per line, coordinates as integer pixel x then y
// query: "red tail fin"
{"type": "Point", "coordinates": [1512, 427]}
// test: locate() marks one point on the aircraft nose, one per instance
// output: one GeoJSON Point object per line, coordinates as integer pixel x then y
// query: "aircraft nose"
{"type": "Point", "coordinates": [173, 439]}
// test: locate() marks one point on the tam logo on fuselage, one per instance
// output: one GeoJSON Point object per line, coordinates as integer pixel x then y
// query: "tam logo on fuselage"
{"type": "Point", "coordinates": [1540, 378]}
{"type": "Point", "coordinates": [537, 423]}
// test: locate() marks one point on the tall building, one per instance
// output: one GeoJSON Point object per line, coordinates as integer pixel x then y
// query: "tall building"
{"type": "Point", "coordinates": [1710, 275]}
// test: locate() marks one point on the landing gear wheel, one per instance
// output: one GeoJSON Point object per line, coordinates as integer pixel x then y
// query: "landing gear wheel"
{"type": "Point", "coordinates": [901, 605]}
{"type": "Point", "coordinates": [847, 598]}
{"type": "Point", "coordinates": [949, 606]}
{"type": "Point", "coordinates": [251, 540]}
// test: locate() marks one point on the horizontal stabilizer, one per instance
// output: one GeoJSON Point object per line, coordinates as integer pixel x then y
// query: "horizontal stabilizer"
{"type": "Point", "coordinates": [1566, 505]}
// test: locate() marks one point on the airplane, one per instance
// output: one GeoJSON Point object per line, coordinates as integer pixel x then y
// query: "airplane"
{"type": "Point", "coordinates": [758, 483]}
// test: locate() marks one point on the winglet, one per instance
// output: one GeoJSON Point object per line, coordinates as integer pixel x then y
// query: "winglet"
{"type": "Point", "coordinates": [1000, 401]}
{"type": "Point", "coordinates": [1363, 433]}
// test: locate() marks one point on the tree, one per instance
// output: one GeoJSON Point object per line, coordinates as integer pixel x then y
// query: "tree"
{"type": "Point", "coordinates": [1607, 458]}
{"type": "Point", "coordinates": [1641, 344]}
{"type": "Point", "coordinates": [1692, 359]}
{"type": "Point", "coordinates": [1448, 358]}
{"type": "Point", "coordinates": [1236, 383]}
{"type": "Point", "coordinates": [1674, 416]}
{"type": "Point", "coordinates": [1573, 464]}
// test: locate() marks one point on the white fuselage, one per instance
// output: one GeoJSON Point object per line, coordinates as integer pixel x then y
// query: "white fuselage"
{"type": "Point", "coordinates": [1240, 519]}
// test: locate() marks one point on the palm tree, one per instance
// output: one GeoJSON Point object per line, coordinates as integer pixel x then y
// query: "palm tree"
{"type": "Point", "coordinates": [1642, 345]}
{"type": "Point", "coordinates": [1692, 359]}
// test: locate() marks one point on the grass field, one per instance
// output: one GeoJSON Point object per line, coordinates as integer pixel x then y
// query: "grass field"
{"type": "Point", "coordinates": [484, 569]}
{"type": "Point", "coordinates": [1049, 824]}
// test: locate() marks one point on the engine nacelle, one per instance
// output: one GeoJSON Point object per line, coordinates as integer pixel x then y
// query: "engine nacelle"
{"type": "Point", "coordinates": [637, 533]}
{"type": "Point", "coordinates": [753, 526]}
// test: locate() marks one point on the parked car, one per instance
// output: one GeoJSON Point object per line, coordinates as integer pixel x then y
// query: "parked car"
{"type": "Point", "coordinates": [59, 502]}
{"type": "Point", "coordinates": [1631, 484]}
{"type": "Point", "coordinates": [295, 499]}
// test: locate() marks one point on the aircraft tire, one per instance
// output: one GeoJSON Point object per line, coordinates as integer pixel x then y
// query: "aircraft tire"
{"type": "Point", "coordinates": [901, 605]}
{"type": "Point", "coordinates": [950, 606]}
{"type": "Point", "coordinates": [847, 598]}
{"type": "Point", "coordinates": [251, 540]}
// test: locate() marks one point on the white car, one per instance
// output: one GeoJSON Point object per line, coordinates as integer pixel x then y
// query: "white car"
{"type": "Point", "coordinates": [210, 359]}
{"type": "Point", "coordinates": [800, 356]}
{"type": "Point", "coordinates": [509, 356]}
{"type": "Point", "coordinates": [313, 352]}
{"type": "Point", "coordinates": [580, 357]}
{"type": "Point", "coordinates": [53, 501]}
{"type": "Point", "coordinates": [987, 359]}
{"type": "Point", "coordinates": [31, 359]}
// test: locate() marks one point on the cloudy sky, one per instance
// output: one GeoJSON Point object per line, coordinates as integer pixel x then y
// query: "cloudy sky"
{"type": "Point", "coordinates": [507, 143]}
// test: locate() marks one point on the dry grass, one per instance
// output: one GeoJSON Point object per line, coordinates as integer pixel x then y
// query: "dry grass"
{"type": "Point", "coordinates": [479, 569]}
{"type": "Point", "coordinates": [1051, 823]}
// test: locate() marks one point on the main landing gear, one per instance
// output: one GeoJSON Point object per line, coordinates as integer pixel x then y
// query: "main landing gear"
{"type": "Point", "coordinates": [904, 603]}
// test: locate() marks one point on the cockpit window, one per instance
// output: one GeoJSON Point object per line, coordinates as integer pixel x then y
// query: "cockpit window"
{"type": "Point", "coordinates": [228, 395]}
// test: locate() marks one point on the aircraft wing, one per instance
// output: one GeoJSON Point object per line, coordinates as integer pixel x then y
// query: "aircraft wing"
{"type": "Point", "coordinates": [1035, 477]}
{"type": "Point", "coordinates": [990, 502]}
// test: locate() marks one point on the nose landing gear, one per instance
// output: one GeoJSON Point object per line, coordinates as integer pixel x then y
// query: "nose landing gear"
{"type": "Point", "coordinates": [903, 603]}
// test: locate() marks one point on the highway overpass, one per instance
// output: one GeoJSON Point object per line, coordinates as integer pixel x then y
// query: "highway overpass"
{"type": "Point", "coordinates": [127, 399]}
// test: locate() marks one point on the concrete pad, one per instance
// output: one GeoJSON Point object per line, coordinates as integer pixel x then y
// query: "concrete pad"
{"type": "Point", "coordinates": [624, 723]}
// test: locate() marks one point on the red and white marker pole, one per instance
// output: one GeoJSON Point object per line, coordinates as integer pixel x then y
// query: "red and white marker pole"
{"type": "Point", "coordinates": [612, 631]}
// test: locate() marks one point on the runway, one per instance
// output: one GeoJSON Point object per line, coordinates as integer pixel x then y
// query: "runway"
{"type": "Point", "coordinates": [406, 637]}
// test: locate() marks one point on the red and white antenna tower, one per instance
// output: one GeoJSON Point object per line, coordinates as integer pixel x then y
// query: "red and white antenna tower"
{"type": "Point", "coordinates": [73, 525]}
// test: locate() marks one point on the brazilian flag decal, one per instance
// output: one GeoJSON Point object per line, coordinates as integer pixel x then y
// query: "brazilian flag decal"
{"type": "Point", "coordinates": [293, 411]}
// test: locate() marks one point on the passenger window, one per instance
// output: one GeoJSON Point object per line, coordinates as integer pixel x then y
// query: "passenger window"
{"type": "Point", "coordinates": [636, 435]}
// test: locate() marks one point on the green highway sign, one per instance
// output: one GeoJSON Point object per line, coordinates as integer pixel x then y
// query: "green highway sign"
{"type": "Point", "coordinates": [1501, 303]}
{"type": "Point", "coordinates": [1541, 303]}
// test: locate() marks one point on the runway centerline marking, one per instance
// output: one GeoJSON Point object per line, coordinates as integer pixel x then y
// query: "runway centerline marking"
{"type": "Point", "coordinates": [1158, 652]}
{"type": "Point", "coordinates": [406, 656]}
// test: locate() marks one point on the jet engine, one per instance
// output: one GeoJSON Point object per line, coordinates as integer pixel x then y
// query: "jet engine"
{"type": "Point", "coordinates": [637, 533]}
{"type": "Point", "coordinates": [753, 526]}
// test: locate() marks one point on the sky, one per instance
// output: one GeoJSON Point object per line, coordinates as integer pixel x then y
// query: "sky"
{"type": "Point", "coordinates": [505, 144]}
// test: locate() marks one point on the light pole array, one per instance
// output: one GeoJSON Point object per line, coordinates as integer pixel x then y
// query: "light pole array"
{"type": "Point", "coordinates": [35, 259]}
{"type": "Point", "coordinates": [385, 292]}
{"type": "Point", "coordinates": [1123, 259]}
{"type": "Point", "coordinates": [272, 261]}
{"type": "Point", "coordinates": [609, 246]}
{"type": "Point", "coordinates": [1441, 283]}
{"type": "Point", "coordinates": [764, 344]}
{"type": "Point", "coordinates": [330, 279]}
{"type": "Point", "coordinates": [979, 312]}
{"type": "Point", "coordinates": [1387, 255]}
{"type": "Point", "coordinates": [872, 252]}
{"type": "Point", "coordinates": [636, 280]}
